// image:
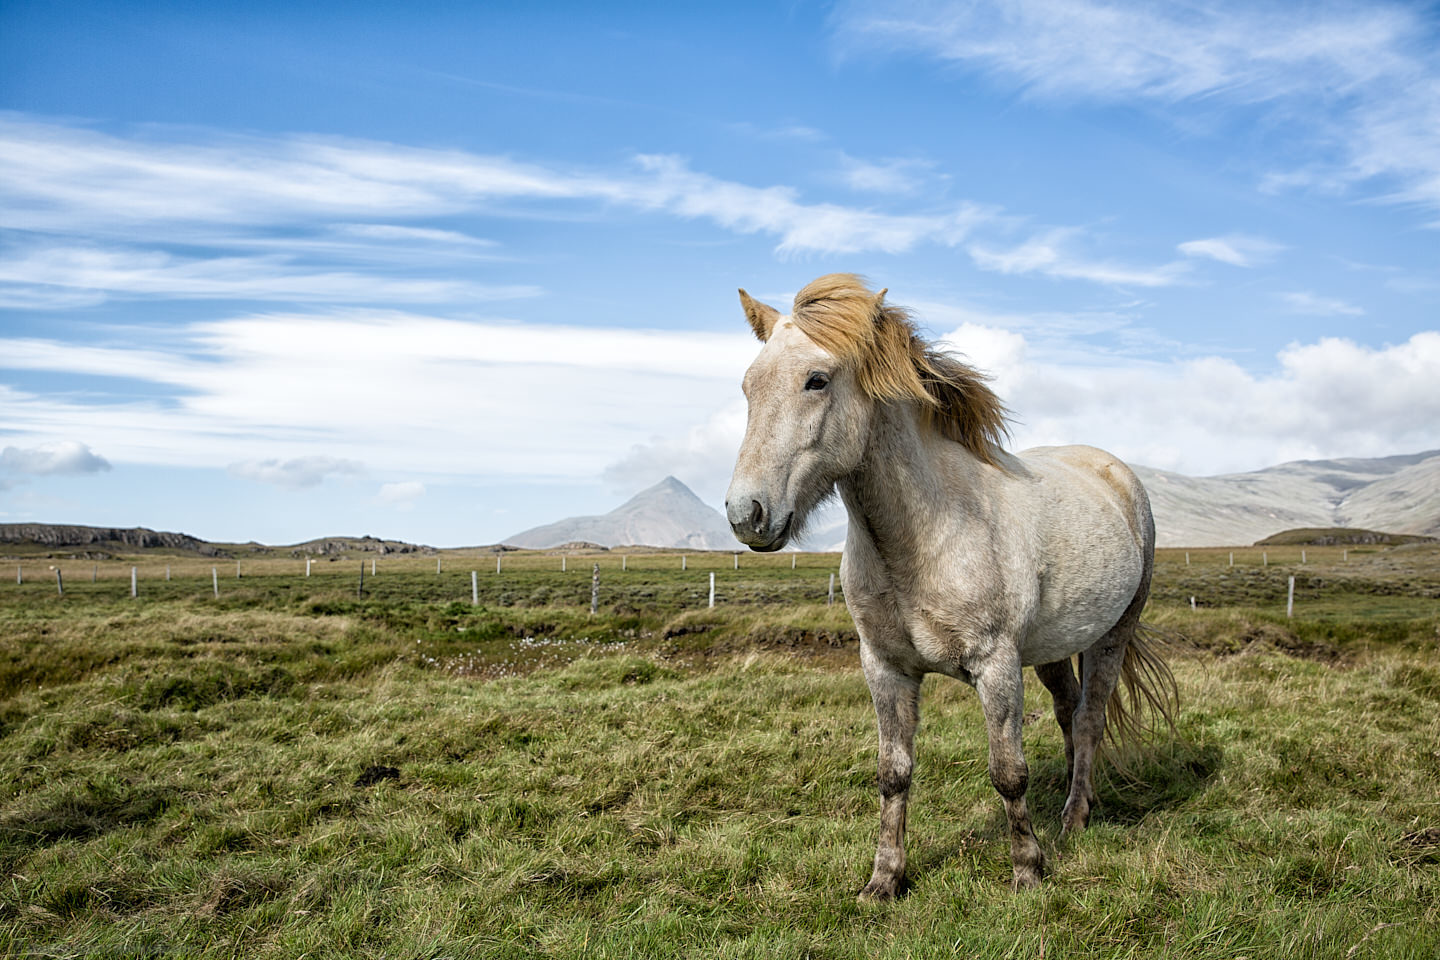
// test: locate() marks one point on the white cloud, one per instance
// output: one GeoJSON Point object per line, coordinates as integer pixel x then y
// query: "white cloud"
{"type": "Point", "coordinates": [1311, 304]}
{"type": "Point", "coordinates": [402, 495]}
{"type": "Point", "coordinates": [49, 459]}
{"type": "Point", "coordinates": [295, 474]}
{"type": "Point", "coordinates": [398, 392]}
{"type": "Point", "coordinates": [1236, 249]}
{"type": "Point", "coordinates": [1330, 398]}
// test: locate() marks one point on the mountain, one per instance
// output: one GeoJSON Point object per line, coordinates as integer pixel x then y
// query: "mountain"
{"type": "Point", "coordinates": [666, 515]}
{"type": "Point", "coordinates": [1395, 494]}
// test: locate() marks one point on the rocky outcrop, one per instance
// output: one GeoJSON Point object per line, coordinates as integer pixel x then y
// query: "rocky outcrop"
{"type": "Point", "coordinates": [134, 538]}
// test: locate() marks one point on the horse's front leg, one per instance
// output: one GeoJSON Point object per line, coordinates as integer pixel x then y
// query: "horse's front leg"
{"type": "Point", "coordinates": [897, 711]}
{"type": "Point", "coordinates": [1002, 696]}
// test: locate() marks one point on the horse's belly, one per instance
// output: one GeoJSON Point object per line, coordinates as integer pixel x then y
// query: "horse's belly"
{"type": "Point", "coordinates": [1082, 624]}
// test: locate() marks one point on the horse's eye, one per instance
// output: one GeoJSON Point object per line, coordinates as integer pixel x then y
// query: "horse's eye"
{"type": "Point", "coordinates": [817, 381]}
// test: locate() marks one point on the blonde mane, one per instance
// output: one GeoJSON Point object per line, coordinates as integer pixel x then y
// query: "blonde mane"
{"type": "Point", "coordinates": [892, 362]}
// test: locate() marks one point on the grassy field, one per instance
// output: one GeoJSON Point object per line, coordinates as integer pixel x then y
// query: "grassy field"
{"type": "Point", "coordinates": [296, 769]}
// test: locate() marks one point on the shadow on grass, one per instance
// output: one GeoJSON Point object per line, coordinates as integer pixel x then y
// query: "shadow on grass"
{"type": "Point", "coordinates": [1158, 778]}
{"type": "Point", "coordinates": [89, 811]}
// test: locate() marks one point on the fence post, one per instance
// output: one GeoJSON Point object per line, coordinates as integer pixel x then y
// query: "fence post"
{"type": "Point", "coordinates": [134, 592]}
{"type": "Point", "coordinates": [562, 563]}
{"type": "Point", "coordinates": [624, 561]}
{"type": "Point", "coordinates": [1264, 559]}
{"type": "Point", "coordinates": [94, 572]}
{"type": "Point", "coordinates": [372, 566]}
{"type": "Point", "coordinates": [1290, 601]}
{"type": "Point", "coordinates": [1192, 603]}
{"type": "Point", "coordinates": [360, 590]}
{"type": "Point", "coordinates": [497, 561]}
{"type": "Point", "coordinates": [437, 564]}
{"type": "Point", "coordinates": [59, 582]}
{"type": "Point", "coordinates": [215, 581]}
{"type": "Point", "coordinates": [682, 561]}
{"type": "Point", "coordinates": [1232, 558]}
{"type": "Point", "coordinates": [1302, 556]}
{"type": "Point", "coordinates": [474, 588]}
{"type": "Point", "coordinates": [737, 560]}
{"type": "Point", "coordinates": [307, 566]}
{"type": "Point", "coordinates": [792, 560]}
{"type": "Point", "coordinates": [831, 601]}
{"type": "Point", "coordinates": [594, 589]}
{"type": "Point", "coordinates": [167, 572]}
{"type": "Point", "coordinates": [19, 576]}
{"type": "Point", "coordinates": [712, 588]}
{"type": "Point", "coordinates": [1187, 558]}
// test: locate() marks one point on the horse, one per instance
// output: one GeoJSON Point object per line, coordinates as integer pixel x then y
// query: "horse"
{"type": "Point", "coordinates": [960, 558]}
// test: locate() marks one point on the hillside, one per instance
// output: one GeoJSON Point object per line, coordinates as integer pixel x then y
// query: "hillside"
{"type": "Point", "coordinates": [103, 541]}
{"type": "Point", "coordinates": [665, 515]}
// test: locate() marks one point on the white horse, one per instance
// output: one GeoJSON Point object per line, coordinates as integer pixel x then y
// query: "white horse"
{"type": "Point", "coordinates": [961, 558]}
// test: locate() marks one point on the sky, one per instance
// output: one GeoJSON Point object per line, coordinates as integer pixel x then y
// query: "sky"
{"type": "Point", "coordinates": [444, 271]}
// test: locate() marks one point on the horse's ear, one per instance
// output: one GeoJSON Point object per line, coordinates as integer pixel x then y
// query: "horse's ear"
{"type": "Point", "coordinates": [762, 316]}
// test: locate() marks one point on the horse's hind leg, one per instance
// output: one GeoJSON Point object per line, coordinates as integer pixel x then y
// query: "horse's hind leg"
{"type": "Point", "coordinates": [1059, 679]}
{"type": "Point", "coordinates": [1100, 668]}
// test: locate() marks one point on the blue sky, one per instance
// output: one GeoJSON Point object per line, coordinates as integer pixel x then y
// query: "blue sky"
{"type": "Point", "coordinates": [445, 271]}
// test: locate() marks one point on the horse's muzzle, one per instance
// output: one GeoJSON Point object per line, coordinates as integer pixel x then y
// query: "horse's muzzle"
{"type": "Point", "coordinates": [754, 525]}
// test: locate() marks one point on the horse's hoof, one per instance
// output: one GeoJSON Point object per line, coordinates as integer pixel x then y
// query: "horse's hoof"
{"type": "Point", "coordinates": [1027, 879]}
{"type": "Point", "coordinates": [881, 889]}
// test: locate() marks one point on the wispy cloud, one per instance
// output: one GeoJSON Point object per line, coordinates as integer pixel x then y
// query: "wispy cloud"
{"type": "Point", "coordinates": [108, 190]}
{"type": "Point", "coordinates": [297, 474]}
{"type": "Point", "coordinates": [402, 495]}
{"type": "Point", "coordinates": [1312, 304]}
{"type": "Point", "coordinates": [1237, 250]}
{"type": "Point", "coordinates": [890, 176]}
{"type": "Point", "coordinates": [1358, 80]}
{"type": "Point", "coordinates": [63, 277]}
{"type": "Point", "coordinates": [1050, 254]}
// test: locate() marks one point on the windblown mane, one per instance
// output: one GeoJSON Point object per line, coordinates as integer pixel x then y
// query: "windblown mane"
{"type": "Point", "coordinates": [892, 362]}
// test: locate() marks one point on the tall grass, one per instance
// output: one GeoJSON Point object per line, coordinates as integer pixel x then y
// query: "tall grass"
{"type": "Point", "coordinates": [292, 771]}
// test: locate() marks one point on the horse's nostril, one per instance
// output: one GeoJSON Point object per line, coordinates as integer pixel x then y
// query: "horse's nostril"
{"type": "Point", "coordinates": [757, 516]}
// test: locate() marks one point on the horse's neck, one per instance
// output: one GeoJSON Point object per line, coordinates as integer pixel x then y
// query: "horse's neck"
{"type": "Point", "coordinates": [909, 482]}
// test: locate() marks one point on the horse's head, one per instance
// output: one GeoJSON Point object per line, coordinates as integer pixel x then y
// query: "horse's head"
{"type": "Point", "coordinates": [808, 422]}
{"type": "Point", "coordinates": [813, 394]}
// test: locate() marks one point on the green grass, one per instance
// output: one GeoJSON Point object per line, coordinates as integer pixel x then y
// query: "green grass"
{"type": "Point", "coordinates": [291, 770]}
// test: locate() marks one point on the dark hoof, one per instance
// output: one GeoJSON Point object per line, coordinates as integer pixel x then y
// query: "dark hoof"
{"type": "Point", "coordinates": [880, 889]}
{"type": "Point", "coordinates": [1027, 879]}
{"type": "Point", "coordinates": [1028, 875]}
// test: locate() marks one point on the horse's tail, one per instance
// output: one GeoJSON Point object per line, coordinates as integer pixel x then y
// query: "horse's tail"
{"type": "Point", "coordinates": [1146, 687]}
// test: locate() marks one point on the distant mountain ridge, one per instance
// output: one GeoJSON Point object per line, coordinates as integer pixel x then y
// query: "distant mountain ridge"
{"type": "Point", "coordinates": [668, 514]}
{"type": "Point", "coordinates": [1399, 494]}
